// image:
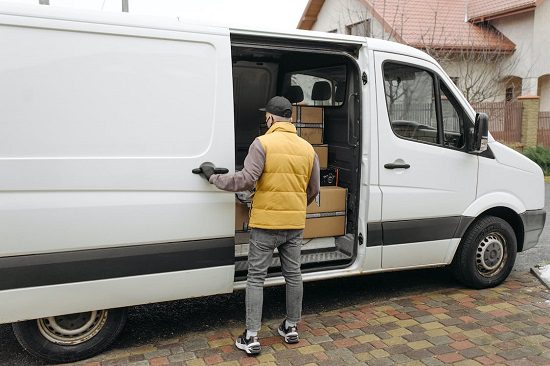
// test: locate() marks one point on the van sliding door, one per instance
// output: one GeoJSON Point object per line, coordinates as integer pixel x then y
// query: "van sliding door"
{"type": "Point", "coordinates": [101, 128]}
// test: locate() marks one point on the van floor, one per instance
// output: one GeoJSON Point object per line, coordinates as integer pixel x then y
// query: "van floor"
{"type": "Point", "coordinates": [318, 252]}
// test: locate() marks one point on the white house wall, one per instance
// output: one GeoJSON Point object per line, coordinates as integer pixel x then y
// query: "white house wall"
{"type": "Point", "coordinates": [337, 14]}
{"type": "Point", "coordinates": [541, 34]}
{"type": "Point", "coordinates": [519, 29]}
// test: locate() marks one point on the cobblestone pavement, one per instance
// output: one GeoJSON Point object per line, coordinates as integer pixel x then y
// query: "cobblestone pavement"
{"type": "Point", "coordinates": [507, 325]}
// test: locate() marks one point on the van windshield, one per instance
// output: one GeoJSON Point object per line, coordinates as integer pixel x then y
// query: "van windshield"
{"type": "Point", "coordinates": [320, 87]}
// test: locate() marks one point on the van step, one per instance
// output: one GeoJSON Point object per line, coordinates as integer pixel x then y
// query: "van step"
{"type": "Point", "coordinates": [307, 258]}
{"type": "Point", "coordinates": [241, 250]}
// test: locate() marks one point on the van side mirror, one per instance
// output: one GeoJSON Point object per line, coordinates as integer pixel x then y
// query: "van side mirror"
{"type": "Point", "coordinates": [480, 134]}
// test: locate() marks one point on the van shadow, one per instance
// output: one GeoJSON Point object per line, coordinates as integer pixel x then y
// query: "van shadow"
{"type": "Point", "coordinates": [154, 322]}
{"type": "Point", "coordinates": [149, 323]}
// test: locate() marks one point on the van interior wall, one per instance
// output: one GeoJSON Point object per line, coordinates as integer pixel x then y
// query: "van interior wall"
{"type": "Point", "coordinates": [258, 75]}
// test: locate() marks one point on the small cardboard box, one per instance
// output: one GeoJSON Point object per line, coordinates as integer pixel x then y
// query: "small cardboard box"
{"type": "Point", "coordinates": [313, 135]}
{"type": "Point", "coordinates": [325, 226]}
{"type": "Point", "coordinates": [331, 199]}
{"type": "Point", "coordinates": [322, 153]}
{"type": "Point", "coordinates": [311, 115]}
{"type": "Point", "coordinates": [327, 217]}
{"type": "Point", "coordinates": [241, 216]}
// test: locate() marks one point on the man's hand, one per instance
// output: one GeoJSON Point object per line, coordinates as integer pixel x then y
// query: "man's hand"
{"type": "Point", "coordinates": [207, 170]}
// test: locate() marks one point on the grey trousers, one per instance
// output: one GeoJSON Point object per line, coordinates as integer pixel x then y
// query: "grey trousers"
{"type": "Point", "coordinates": [262, 244]}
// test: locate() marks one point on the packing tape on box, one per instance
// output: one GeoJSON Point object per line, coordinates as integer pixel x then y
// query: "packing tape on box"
{"type": "Point", "coordinates": [308, 125]}
{"type": "Point", "coordinates": [325, 214]}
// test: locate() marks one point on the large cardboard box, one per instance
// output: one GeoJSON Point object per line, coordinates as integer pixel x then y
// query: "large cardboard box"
{"type": "Point", "coordinates": [241, 216]}
{"type": "Point", "coordinates": [322, 153]}
{"type": "Point", "coordinates": [327, 216]}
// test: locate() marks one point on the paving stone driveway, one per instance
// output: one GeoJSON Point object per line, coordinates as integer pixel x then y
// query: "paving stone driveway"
{"type": "Point", "coordinates": [507, 325]}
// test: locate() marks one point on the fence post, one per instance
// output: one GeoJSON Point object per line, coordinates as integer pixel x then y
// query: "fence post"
{"type": "Point", "coordinates": [529, 120]}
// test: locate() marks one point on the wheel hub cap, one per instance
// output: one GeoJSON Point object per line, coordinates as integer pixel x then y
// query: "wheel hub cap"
{"type": "Point", "coordinates": [491, 253]}
{"type": "Point", "coordinates": [72, 329]}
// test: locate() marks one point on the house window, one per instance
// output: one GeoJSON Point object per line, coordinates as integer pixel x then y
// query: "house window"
{"type": "Point", "coordinates": [509, 94]}
{"type": "Point", "coordinates": [362, 28]}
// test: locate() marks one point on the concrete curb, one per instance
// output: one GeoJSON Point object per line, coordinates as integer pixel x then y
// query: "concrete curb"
{"type": "Point", "coordinates": [538, 274]}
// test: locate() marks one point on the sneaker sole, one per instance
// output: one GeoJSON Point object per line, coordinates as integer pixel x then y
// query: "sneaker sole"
{"type": "Point", "coordinates": [252, 349]}
{"type": "Point", "coordinates": [290, 338]}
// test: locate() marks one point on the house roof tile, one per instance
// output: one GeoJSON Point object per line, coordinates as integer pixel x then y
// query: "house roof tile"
{"type": "Point", "coordinates": [434, 24]}
{"type": "Point", "coordinates": [438, 24]}
{"type": "Point", "coordinates": [480, 10]}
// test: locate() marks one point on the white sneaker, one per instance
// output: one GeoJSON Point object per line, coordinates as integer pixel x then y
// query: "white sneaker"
{"type": "Point", "coordinates": [250, 345]}
{"type": "Point", "coordinates": [290, 334]}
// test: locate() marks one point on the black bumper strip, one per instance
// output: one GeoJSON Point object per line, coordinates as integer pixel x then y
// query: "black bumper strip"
{"type": "Point", "coordinates": [374, 234]}
{"type": "Point", "coordinates": [98, 264]}
{"type": "Point", "coordinates": [533, 224]}
{"type": "Point", "coordinates": [414, 231]}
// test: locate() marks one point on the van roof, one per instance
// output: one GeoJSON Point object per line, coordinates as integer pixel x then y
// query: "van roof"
{"type": "Point", "coordinates": [197, 26]}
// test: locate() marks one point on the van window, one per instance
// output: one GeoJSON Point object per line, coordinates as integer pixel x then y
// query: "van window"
{"type": "Point", "coordinates": [453, 119]}
{"type": "Point", "coordinates": [321, 87]}
{"type": "Point", "coordinates": [410, 98]}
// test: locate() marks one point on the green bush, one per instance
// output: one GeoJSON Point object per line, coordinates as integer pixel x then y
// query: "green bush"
{"type": "Point", "coordinates": [539, 155]}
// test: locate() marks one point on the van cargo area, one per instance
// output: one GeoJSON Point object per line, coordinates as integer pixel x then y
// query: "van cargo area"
{"type": "Point", "coordinates": [323, 86]}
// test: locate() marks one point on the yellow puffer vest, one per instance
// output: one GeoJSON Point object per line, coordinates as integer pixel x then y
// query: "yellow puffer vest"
{"type": "Point", "coordinates": [280, 200]}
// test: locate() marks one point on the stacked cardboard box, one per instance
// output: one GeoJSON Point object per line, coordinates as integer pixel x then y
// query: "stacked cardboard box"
{"type": "Point", "coordinates": [327, 216]}
{"type": "Point", "coordinates": [241, 216]}
{"type": "Point", "coordinates": [324, 218]}
{"type": "Point", "coordinates": [322, 153]}
{"type": "Point", "coordinates": [309, 123]}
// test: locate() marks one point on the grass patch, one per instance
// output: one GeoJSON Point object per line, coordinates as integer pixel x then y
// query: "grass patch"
{"type": "Point", "coordinates": [541, 156]}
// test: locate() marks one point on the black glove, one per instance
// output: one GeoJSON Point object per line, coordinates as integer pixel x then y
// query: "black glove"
{"type": "Point", "coordinates": [207, 170]}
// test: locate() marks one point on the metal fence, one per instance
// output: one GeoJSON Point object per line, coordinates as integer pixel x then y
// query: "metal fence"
{"type": "Point", "coordinates": [543, 137]}
{"type": "Point", "coordinates": [504, 119]}
{"type": "Point", "coordinates": [424, 113]}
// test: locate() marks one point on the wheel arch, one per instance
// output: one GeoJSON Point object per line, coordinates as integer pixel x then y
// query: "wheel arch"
{"type": "Point", "coordinates": [509, 208]}
{"type": "Point", "coordinates": [512, 218]}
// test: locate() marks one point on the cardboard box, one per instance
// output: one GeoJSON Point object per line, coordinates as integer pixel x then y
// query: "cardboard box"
{"type": "Point", "coordinates": [241, 216]}
{"type": "Point", "coordinates": [327, 217]}
{"type": "Point", "coordinates": [331, 199]}
{"type": "Point", "coordinates": [311, 115]}
{"type": "Point", "coordinates": [313, 135]}
{"type": "Point", "coordinates": [322, 153]}
{"type": "Point", "coordinates": [325, 226]}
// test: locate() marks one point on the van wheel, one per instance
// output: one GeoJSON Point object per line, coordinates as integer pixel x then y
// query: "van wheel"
{"type": "Point", "coordinates": [71, 337]}
{"type": "Point", "coordinates": [486, 254]}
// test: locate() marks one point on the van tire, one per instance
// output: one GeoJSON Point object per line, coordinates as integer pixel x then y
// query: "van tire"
{"type": "Point", "coordinates": [47, 339]}
{"type": "Point", "coordinates": [486, 254]}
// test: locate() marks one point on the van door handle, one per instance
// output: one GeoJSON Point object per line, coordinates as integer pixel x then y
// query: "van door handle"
{"type": "Point", "coordinates": [216, 170]}
{"type": "Point", "coordinates": [396, 166]}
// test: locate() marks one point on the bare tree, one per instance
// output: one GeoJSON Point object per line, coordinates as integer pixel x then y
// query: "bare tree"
{"type": "Point", "coordinates": [480, 67]}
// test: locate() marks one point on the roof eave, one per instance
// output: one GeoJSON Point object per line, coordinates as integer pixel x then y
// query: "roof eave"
{"type": "Point", "coordinates": [503, 14]}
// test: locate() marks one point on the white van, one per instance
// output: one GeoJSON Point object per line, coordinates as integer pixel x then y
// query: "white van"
{"type": "Point", "coordinates": [105, 116]}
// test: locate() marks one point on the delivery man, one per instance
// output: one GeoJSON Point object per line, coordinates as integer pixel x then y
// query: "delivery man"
{"type": "Point", "coordinates": [285, 170]}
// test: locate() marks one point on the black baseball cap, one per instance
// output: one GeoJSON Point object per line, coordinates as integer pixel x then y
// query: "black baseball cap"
{"type": "Point", "coordinates": [279, 106]}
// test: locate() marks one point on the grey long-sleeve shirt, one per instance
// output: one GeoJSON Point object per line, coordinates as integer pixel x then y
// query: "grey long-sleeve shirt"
{"type": "Point", "coordinates": [253, 167]}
